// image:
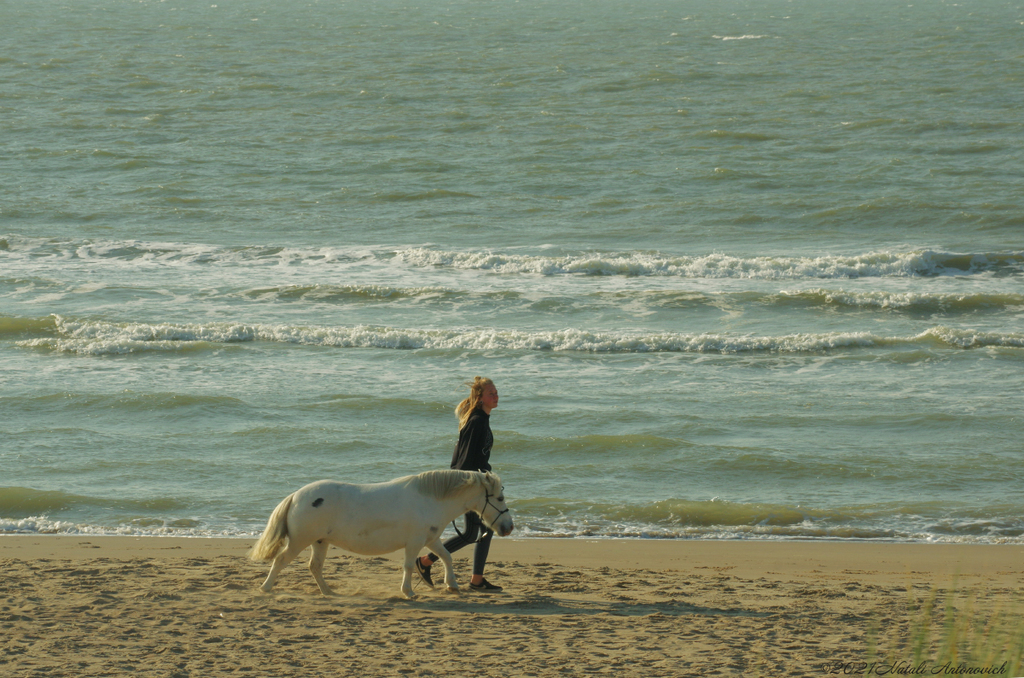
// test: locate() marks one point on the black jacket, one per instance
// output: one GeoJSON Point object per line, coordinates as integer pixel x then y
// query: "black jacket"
{"type": "Point", "coordinates": [473, 451]}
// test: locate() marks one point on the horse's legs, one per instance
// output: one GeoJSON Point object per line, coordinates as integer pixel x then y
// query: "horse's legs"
{"type": "Point", "coordinates": [412, 552]}
{"type": "Point", "coordinates": [282, 559]}
{"type": "Point", "coordinates": [437, 546]}
{"type": "Point", "coordinates": [316, 566]}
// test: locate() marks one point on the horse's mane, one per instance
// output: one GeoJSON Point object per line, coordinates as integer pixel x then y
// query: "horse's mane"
{"type": "Point", "coordinates": [443, 484]}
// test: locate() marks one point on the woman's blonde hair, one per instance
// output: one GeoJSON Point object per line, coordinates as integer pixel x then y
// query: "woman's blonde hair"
{"type": "Point", "coordinates": [467, 406]}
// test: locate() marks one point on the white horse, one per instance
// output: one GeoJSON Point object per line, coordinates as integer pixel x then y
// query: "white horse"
{"type": "Point", "coordinates": [409, 512]}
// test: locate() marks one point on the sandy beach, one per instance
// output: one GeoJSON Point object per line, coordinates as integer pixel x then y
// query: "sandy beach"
{"type": "Point", "coordinates": [119, 606]}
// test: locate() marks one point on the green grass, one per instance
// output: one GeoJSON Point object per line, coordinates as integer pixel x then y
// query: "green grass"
{"type": "Point", "coordinates": [951, 634]}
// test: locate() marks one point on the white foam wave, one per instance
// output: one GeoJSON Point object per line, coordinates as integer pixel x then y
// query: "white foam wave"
{"type": "Point", "coordinates": [630, 263]}
{"type": "Point", "coordinates": [543, 527]}
{"type": "Point", "coordinates": [738, 37]}
{"type": "Point", "coordinates": [908, 300]}
{"type": "Point", "coordinates": [967, 338]}
{"type": "Point", "coordinates": [716, 265]}
{"type": "Point", "coordinates": [46, 525]}
{"type": "Point", "coordinates": [103, 338]}
{"type": "Point", "coordinates": [152, 253]}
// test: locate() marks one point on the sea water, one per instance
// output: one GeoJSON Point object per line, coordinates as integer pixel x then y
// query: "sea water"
{"type": "Point", "coordinates": [738, 269]}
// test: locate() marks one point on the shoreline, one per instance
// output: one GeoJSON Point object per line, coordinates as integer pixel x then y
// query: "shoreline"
{"type": "Point", "coordinates": [73, 605]}
{"type": "Point", "coordinates": [775, 558]}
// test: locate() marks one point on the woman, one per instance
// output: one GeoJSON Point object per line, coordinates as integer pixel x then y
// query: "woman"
{"type": "Point", "coordinates": [472, 453]}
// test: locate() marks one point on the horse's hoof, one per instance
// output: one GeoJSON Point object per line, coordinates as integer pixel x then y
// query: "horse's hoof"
{"type": "Point", "coordinates": [453, 589]}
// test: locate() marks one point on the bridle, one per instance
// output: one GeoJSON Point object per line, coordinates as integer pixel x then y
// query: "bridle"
{"type": "Point", "coordinates": [487, 502]}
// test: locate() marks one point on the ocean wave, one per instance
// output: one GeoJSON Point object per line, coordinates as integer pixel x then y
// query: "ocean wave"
{"type": "Point", "coordinates": [43, 525]}
{"type": "Point", "coordinates": [152, 527]}
{"type": "Point", "coordinates": [26, 510]}
{"type": "Point", "coordinates": [738, 37]}
{"type": "Point", "coordinates": [141, 253]}
{"type": "Point", "coordinates": [15, 327]}
{"type": "Point", "coordinates": [711, 519]}
{"type": "Point", "coordinates": [107, 338]}
{"type": "Point", "coordinates": [907, 301]}
{"type": "Point", "coordinates": [32, 511]}
{"type": "Point", "coordinates": [966, 338]}
{"type": "Point", "coordinates": [125, 401]}
{"type": "Point", "coordinates": [950, 303]}
{"type": "Point", "coordinates": [104, 338]}
{"type": "Point", "coordinates": [26, 501]}
{"type": "Point", "coordinates": [721, 519]}
{"type": "Point", "coordinates": [343, 293]}
{"type": "Point", "coordinates": [22, 502]}
{"type": "Point", "coordinates": [719, 265]}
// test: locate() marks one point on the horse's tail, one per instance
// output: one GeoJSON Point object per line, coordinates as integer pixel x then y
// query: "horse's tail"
{"type": "Point", "coordinates": [275, 535]}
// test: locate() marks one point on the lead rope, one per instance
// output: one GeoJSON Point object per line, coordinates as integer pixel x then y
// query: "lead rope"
{"type": "Point", "coordinates": [483, 528]}
{"type": "Point", "coordinates": [484, 531]}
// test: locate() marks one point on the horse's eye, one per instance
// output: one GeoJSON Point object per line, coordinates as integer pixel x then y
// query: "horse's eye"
{"type": "Point", "coordinates": [501, 498]}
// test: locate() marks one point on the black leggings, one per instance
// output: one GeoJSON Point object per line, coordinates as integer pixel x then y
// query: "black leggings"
{"type": "Point", "coordinates": [468, 536]}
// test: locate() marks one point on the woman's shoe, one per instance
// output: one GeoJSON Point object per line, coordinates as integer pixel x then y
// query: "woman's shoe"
{"type": "Point", "coordinates": [424, 571]}
{"type": "Point", "coordinates": [485, 586]}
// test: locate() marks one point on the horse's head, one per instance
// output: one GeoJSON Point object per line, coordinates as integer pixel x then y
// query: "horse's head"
{"type": "Point", "coordinates": [495, 513]}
